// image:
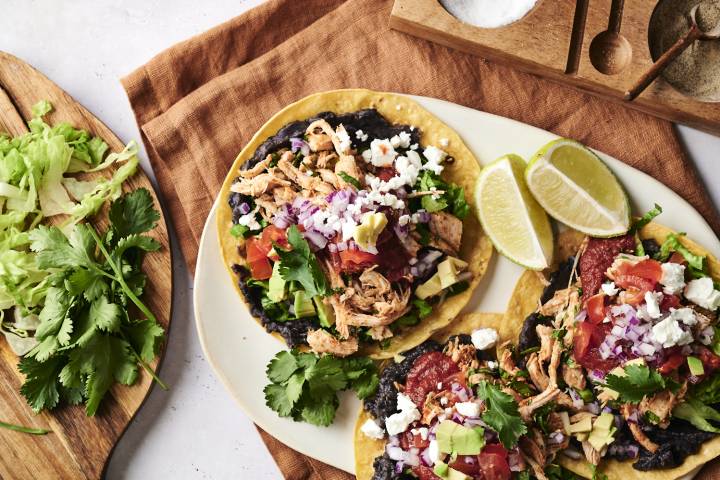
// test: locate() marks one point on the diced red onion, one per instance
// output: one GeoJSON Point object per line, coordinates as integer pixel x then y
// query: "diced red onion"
{"type": "Point", "coordinates": [593, 408]}
{"type": "Point", "coordinates": [576, 399]}
{"type": "Point", "coordinates": [394, 440]}
{"type": "Point", "coordinates": [299, 144]}
{"type": "Point", "coordinates": [398, 454]}
{"type": "Point", "coordinates": [244, 208]}
{"type": "Point", "coordinates": [425, 457]}
{"type": "Point", "coordinates": [556, 438]}
{"type": "Point", "coordinates": [316, 240]}
{"type": "Point", "coordinates": [352, 245]}
{"type": "Point", "coordinates": [580, 317]}
{"type": "Point", "coordinates": [423, 216]}
{"type": "Point", "coordinates": [399, 467]}
{"type": "Point", "coordinates": [633, 417]}
{"type": "Point", "coordinates": [515, 461]}
{"type": "Point", "coordinates": [332, 247]}
{"type": "Point", "coordinates": [464, 277]}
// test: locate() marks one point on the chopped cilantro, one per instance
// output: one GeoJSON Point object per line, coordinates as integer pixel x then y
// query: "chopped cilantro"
{"type": "Point", "coordinates": [424, 232]}
{"type": "Point", "coordinates": [501, 414]}
{"type": "Point", "coordinates": [350, 179]}
{"type": "Point", "coordinates": [596, 474]}
{"type": "Point", "coordinates": [304, 386]}
{"type": "Point", "coordinates": [639, 381]}
{"type": "Point", "coordinates": [300, 264]}
{"type": "Point", "coordinates": [452, 198]}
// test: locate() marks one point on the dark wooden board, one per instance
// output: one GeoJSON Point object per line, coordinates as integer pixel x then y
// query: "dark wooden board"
{"type": "Point", "coordinates": [79, 446]}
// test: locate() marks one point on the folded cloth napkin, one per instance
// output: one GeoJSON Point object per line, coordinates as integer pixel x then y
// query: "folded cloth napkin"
{"type": "Point", "coordinates": [200, 101]}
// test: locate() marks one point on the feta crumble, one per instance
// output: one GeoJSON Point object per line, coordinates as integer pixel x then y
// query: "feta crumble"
{"type": "Point", "coordinates": [668, 333]}
{"type": "Point", "coordinates": [434, 157]}
{"type": "Point", "coordinates": [408, 413]}
{"type": "Point", "coordinates": [382, 153]}
{"type": "Point", "coordinates": [248, 220]}
{"type": "Point", "coordinates": [360, 135]}
{"type": "Point", "coordinates": [344, 138]}
{"type": "Point", "coordinates": [702, 292]}
{"type": "Point", "coordinates": [484, 338]}
{"type": "Point", "coordinates": [673, 278]}
{"type": "Point", "coordinates": [372, 430]}
{"type": "Point", "coordinates": [609, 289]}
{"type": "Point", "coordinates": [652, 303]}
{"type": "Point", "coordinates": [434, 451]}
{"type": "Point", "coordinates": [401, 140]}
{"type": "Point", "coordinates": [422, 431]}
{"type": "Point", "coordinates": [468, 409]}
{"type": "Point", "coordinates": [684, 315]}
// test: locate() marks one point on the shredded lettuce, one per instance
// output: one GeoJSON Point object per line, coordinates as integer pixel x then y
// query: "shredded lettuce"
{"type": "Point", "coordinates": [697, 263]}
{"type": "Point", "coordinates": [36, 183]}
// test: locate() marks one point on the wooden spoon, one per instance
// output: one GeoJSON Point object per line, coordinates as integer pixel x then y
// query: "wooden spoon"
{"type": "Point", "coordinates": [695, 33]}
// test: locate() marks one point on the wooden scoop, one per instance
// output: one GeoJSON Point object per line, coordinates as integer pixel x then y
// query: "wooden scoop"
{"type": "Point", "coordinates": [695, 33]}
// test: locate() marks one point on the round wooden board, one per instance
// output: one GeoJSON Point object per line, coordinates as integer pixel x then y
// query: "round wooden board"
{"type": "Point", "coordinates": [79, 446]}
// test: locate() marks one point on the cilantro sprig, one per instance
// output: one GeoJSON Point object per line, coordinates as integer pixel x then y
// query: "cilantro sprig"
{"type": "Point", "coordinates": [502, 414]}
{"type": "Point", "coordinates": [639, 381]}
{"type": "Point", "coordinates": [300, 264]}
{"type": "Point", "coordinates": [88, 336]}
{"type": "Point", "coordinates": [304, 386]}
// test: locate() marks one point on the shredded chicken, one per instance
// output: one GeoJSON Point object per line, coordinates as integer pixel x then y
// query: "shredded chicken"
{"type": "Point", "coordinates": [321, 341]}
{"type": "Point", "coordinates": [557, 303]}
{"type": "Point", "coordinates": [433, 406]}
{"type": "Point", "coordinates": [306, 182]}
{"type": "Point", "coordinates": [464, 355]}
{"type": "Point", "coordinates": [554, 363]}
{"type": "Point", "coordinates": [529, 405]}
{"type": "Point", "coordinates": [258, 185]}
{"type": "Point", "coordinates": [574, 376]}
{"type": "Point", "coordinates": [447, 232]}
{"type": "Point", "coordinates": [373, 293]}
{"type": "Point", "coordinates": [547, 341]}
{"type": "Point", "coordinates": [592, 455]}
{"type": "Point", "coordinates": [506, 361]}
{"type": "Point", "coordinates": [627, 410]}
{"type": "Point", "coordinates": [257, 169]}
{"type": "Point", "coordinates": [534, 454]}
{"type": "Point", "coordinates": [537, 375]}
{"type": "Point", "coordinates": [662, 404]}
{"type": "Point", "coordinates": [326, 159]}
{"type": "Point", "coordinates": [380, 333]}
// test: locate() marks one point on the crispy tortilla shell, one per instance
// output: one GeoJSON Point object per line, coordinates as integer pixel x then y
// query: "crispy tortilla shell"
{"type": "Point", "coordinates": [367, 449]}
{"type": "Point", "coordinates": [525, 299]}
{"type": "Point", "coordinates": [397, 109]}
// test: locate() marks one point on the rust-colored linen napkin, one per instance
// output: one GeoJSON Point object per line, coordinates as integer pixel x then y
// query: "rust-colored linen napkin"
{"type": "Point", "coordinates": [200, 101]}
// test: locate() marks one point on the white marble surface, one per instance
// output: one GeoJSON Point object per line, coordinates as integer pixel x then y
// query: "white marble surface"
{"type": "Point", "coordinates": [194, 430]}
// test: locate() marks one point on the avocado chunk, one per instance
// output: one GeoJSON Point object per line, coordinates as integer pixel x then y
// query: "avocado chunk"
{"type": "Point", "coordinates": [446, 275]}
{"type": "Point", "coordinates": [325, 312]}
{"type": "Point", "coordinates": [367, 233]}
{"type": "Point", "coordinates": [303, 305]}
{"type": "Point", "coordinates": [442, 470]}
{"type": "Point", "coordinates": [695, 365]}
{"type": "Point", "coordinates": [584, 425]}
{"type": "Point", "coordinates": [276, 285]}
{"type": "Point", "coordinates": [602, 432]}
{"type": "Point", "coordinates": [454, 438]}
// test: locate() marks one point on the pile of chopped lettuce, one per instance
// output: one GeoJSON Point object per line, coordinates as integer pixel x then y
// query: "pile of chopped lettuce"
{"type": "Point", "coordinates": [38, 181]}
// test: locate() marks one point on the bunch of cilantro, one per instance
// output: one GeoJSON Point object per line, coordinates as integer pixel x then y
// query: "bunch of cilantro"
{"type": "Point", "coordinates": [89, 337]}
{"type": "Point", "coordinates": [304, 386]}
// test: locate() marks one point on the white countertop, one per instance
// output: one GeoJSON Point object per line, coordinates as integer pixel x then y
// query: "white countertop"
{"type": "Point", "coordinates": [195, 430]}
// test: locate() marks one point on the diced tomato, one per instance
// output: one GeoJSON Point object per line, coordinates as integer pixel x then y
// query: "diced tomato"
{"type": "Point", "coordinates": [424, 473]}
{"type": "Point", "coordinates": [596, 308]}
{"type": "Point", "coordinates": [273, 234]}
{"type": "Point", "coordinates": [582, 338]}
{"type": "Point", "coordinates": [634, 281]}
{"type": "Point", "coordinates": [386, 173]}
{"type": "Point", "coordinates": [356, 260]}
{"type": "Point", "coordinates": [493, 463]}
{"type": "Point", "coordinates": [671, 363]}
{"type": "Point", "coordinates": [467, 464]}
{"type": "Point", "coordinates": [669, 301]}
{"type": "Point", "coordinates": [408, 441]}
{"type": "Point", "coordinates": [594, 361]}
{"type": "Point", "coordinates": [648, 269]}
{"type": "Point", "coordinates": [709, 359]}
{"type": "Point", "coordinates": [260, 267]}
{"type": "Point", "coordinates": [677, 258]}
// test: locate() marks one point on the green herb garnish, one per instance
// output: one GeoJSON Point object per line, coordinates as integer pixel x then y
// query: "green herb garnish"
{"type": "Point", "coordinates": [501, 414]}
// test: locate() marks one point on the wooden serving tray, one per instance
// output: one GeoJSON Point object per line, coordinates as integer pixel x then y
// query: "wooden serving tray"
{"type": "Point", "coordinates": [554, 40]}
{"type": "Point", "coordinates": [79, 446]}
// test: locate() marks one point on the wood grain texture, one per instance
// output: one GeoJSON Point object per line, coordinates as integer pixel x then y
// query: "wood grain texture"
{"type": "Point", "coordinates": [541, 42]}
{"type": "Point", "coordinates": [79, 446]}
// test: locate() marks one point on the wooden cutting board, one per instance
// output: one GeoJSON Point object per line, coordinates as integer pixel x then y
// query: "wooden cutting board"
{"type": "Point", "coordinates": [79, 446]}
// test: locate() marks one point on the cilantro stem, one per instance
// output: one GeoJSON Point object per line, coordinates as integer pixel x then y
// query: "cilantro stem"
{"type": "Point", "coordinates": [19, 428]}
{"type": "Point", "coordinates": [119, 277]}
{"type": "Point", "coordinates": [121, 280]}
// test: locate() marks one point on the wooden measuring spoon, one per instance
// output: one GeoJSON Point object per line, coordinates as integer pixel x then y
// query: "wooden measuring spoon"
{"type": "Point", "coordinates": [672, 53]}
{"type": "Point", "coordinates": [610, 51]}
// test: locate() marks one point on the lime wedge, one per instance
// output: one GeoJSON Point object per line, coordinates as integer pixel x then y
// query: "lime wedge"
{"type": "Point", "coordinates": [514, 221]}
{"type": "Point", "coordinates": [575, 187]}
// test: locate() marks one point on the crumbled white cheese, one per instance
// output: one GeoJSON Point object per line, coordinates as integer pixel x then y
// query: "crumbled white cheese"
{"type": "Point", "coordinates": [468, 409]}
{"type": "Point", "coordinates": [404, 220]}
{"type": "Point", "coordinates": [383, 199]}
{"type": "Point", "coordinates": [652, 303]}
{"type": "Point", "coordinates": [408, 413]}
{"type": "Point", "coordinates": [609, 289]}
{"type": "Point", "coordinates": [249, 220]}
{"type": "Point", "coordinates": [443, 401]}
{"type": "Point", "coordinates": [684, 315]}
{"type": "Point", "coordinates": [382, 153]}
{"type": "Point", "coordinates": [444, 142]}
{"type": "Point", "coordinates": [702, 292]}
{"type": "Point", "coordinates": [434, 452]}
{"type": "Point", "coordinates": [360, 135]}
{"type": "Point", "coordinates": [439, 386]}
{"type": "Point", "coordinates": [492, 365]}
{"type": "Point", "coordinates": [434, 157]}
{"type": "Point", "coordinates": [372, 430]}
{"type": "Point", "coordinates": [673, 278]}
{"type": "Point", "coordinates": [422, 431]}
{"type": "Point", "coordinates": [484, 338]}
{"type": "Point", "coordinates": [414, 146]}
{"type": "Point", "coordinates": [668, 333]}
{"type": "Point", "coordinates": [408, 169]}
{"type": "Point", "coordinates": [415, 218]}
{"type": "Point", "coordinates": [402, 140]}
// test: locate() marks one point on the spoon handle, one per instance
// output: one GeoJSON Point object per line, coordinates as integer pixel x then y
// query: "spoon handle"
{"type": "Point", "coordinates": [657, 68]}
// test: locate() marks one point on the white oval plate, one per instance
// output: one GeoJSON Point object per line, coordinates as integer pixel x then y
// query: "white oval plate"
{"type": "Point", "coordinates": [238, 348]}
